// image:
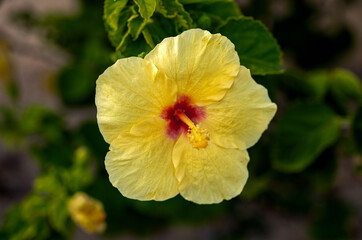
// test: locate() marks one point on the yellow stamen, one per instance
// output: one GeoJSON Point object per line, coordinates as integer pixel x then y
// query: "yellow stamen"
{"type": "Point", "coordinates": [197, 136]}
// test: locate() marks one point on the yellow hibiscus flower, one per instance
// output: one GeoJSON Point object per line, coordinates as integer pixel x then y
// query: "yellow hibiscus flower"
{"type": "Point", "coordinates": [180, 120]}
{"type": "Point", "coordinates": [87, 212]}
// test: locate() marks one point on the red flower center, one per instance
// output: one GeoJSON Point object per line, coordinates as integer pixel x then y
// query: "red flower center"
{"type": "Point", "coordinates": [183, 105]}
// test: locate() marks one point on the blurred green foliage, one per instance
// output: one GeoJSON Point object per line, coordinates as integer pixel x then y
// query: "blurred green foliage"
{"type": "Point", "coordinates": [292, 169]}
{"type": "Point", "coordinates": [43, 214]}
{"type": "Point", "coordinates": [6, 70]}
{"type": "Point", "coordinates": [82, 35]}
{"type": "Point", "coordinates": [331, 220]}
{"type": "Point", "coordinates": [305, 129]}
{"type": "Point", "coordinates": [257, 48]}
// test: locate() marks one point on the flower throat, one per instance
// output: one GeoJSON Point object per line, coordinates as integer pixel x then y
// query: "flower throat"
{"type": "Point", "coordinates": [197, 136]}
{"type": "Point", "coordinates": [182, 117]}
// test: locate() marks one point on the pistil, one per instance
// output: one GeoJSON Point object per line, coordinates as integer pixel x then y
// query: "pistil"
{"type": "Point", "coordinates": [198, 137]}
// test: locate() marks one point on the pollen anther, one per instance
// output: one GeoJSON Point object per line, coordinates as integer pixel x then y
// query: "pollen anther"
{"type": "Point", "coordinates": [198, 136]}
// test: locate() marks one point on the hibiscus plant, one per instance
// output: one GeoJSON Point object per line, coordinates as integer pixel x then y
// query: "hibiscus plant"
{"type": "Point", "coordinates": [196, 120]}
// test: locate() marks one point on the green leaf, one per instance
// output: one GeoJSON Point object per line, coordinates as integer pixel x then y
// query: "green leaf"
{"type": "Point", "coordinates": [34, 206]}
{"type": "Point", "coordinates": [303, 132]}
{"type": "Point", "coordinates": [169, 8]}
{"type": "Point", "coordinates": [147, 7]}
{"type": "Point", "coordinates": [58, 213]}
{"type": "Point", "coordinates": [112, 12]}
{"type": "Point", "coordinates": [257, 48]}
{"type": "Point", "coordinates": [135, 24]}
{"type": "Point", "coordinates": [133, 48]}
{"type": "Point", "coordinates": [118, 34]}
{"type": "Point", "coordinates": [148, 37]}
{"type": "Point", "coordinates": [118, 18]}
{"type": "Point", "coordinates": [197, 1]}
{"type": "Point", "coordinates": [48, 184]}
{"type": "Point", "coordinates": [211, 15]}
{"type": "Point", "coordinates": [77, 177]}
{"type": "Point", "coordinates": [223, 8]}
{"type": "Point", "coordinates": [174, 9]}
{"type": "Point", "coordinates": [157, 29]}
{"type": "Point", "coordinates": [345, 87]}
{"type": "Point", "coordinates": [125, 37]}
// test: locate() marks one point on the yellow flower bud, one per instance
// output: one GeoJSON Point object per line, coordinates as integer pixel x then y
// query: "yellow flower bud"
{"type": "Point", "coordinates": [87, 212]}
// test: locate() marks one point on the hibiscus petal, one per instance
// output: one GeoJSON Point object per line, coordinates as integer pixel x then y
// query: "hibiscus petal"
{"type": "Point", "coordinates": [129, 91]}
{"type": "Point", "coordinates": [139, 162]}
{"type": "Point", "coordinates": [240, 118]}
{"type": "Point", "coordinates": [211, 174]}
{"type": "Point", "coordinates": [202, 64]}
